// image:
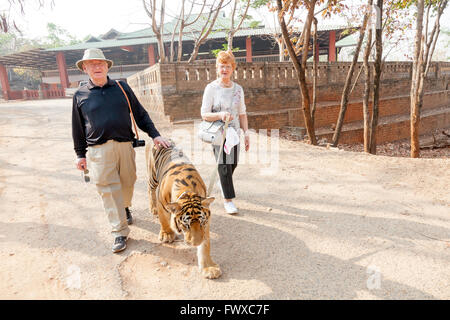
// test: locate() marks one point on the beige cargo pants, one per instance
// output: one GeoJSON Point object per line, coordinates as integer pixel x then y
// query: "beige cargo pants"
{"type": "Point", "coordinates": [113, 170]}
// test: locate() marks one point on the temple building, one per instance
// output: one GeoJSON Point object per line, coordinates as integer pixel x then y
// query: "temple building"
{"type": "Point", "coordinates": [135, 51]}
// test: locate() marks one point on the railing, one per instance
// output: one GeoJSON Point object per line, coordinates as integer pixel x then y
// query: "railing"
{"type": "Point", "coordinates": [34, 94]}
{"type": "Point", "coordinates": [269, 58]}
{"type": "Point", "coordinates": [15, 95]}
{"type": "Point", "coordinates": [177, 77]}
{"type": "Point", "coordinates": [146, 85]}
{"type": "Point", "coordinates": [195, 76]}
{"type": "Point", "coordinates": [262, 58]}
{"type": "Point", "coordinates": [53, 93]}
{"type": "Point", "coordinates": [30, 94]}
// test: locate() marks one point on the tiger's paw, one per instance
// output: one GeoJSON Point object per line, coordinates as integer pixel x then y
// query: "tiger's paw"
{"type": "Point", "coordinates": [166, 236]}
{"type": "Point", "coordinates": [211, 272]}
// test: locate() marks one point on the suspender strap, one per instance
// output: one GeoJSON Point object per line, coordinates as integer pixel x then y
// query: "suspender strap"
{"type": "Point", "coordinates": [129, 106]}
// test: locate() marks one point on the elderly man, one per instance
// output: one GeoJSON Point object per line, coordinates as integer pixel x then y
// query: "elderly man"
{"type": "Point", "coordinates": [101, 123]}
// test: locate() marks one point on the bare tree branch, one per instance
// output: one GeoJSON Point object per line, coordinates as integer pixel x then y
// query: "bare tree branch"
{"type": "Point", "coordinates": [6, 19]}
{"type": "Point", "coordinates": [206, 29]}
{"type": "Point", "coordinates": [233, 30]}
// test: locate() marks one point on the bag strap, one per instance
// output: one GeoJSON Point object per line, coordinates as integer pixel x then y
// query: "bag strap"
{"type": "Point", "coordinates": [129, 106]}
{"type": "Point", "coordinates": [214, 173]}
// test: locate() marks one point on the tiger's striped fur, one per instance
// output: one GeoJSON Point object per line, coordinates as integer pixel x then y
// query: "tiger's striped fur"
{"type": "Point", "coordinates": [177, 194]}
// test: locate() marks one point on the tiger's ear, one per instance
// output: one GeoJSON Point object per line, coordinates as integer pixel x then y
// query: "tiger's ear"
{"type": "Point", "coordinates": [173, 207]}
{"type": "Point", "coordinates": [207, 201]}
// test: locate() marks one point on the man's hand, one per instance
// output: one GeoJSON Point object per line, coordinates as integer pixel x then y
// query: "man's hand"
{"type": "Point", "coordinates": [81, 164]}
{"type": "Point", "coordinates": [161, 142]}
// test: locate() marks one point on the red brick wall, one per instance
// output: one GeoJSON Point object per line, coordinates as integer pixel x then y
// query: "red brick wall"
{"type": "Point", "coordinates": [392, 131]}
{"type": "Point", "coordinates": [273, 100]}
{"type": "Point", "coordinates": [327, 115]}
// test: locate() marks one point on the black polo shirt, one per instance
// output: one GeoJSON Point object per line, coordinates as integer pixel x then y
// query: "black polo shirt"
{"type": "Point", "coordinates": [100, 114]}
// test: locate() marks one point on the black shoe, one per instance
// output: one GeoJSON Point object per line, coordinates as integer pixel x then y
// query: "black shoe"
{"type": "Point", "coordinates": [120, 244]}
{"type": "Point", "coordinates": [129, 217]}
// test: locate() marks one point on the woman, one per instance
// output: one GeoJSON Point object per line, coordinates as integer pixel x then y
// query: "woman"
{"type": "Point", "coordinates": [223, 99]}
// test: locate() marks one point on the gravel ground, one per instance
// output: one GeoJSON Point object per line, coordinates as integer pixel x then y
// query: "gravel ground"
{"type": "Point", "coordinates": [401, 148]}
{"type": "Point", "coordinates": [314, 223]}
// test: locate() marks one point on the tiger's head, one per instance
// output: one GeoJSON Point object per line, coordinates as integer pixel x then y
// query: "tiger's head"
{"type": "Point", "coordinates": [190, 216]}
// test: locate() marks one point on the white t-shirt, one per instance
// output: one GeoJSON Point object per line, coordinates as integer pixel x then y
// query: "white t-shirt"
{"type": "Point", "coordinates": [217, 98]}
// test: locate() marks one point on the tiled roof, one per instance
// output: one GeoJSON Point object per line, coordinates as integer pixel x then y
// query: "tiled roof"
{"type": "Point", "coordinates": [348, 41]}
{"type": "Point", "coordinates": [105, 44]}
{"type": "Point", "coordinates": [147, 36]}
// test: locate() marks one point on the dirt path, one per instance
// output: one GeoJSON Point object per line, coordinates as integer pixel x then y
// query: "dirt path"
{"type": "Point", "coordinates": [323, 224]}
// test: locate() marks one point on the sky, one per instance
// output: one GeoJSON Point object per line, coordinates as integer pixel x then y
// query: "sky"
{"type": "Point", "coordinates": [83, 17]}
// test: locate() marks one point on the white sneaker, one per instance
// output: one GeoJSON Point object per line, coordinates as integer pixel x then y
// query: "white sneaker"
{"type": "Point", "coordinates": [230, 208]}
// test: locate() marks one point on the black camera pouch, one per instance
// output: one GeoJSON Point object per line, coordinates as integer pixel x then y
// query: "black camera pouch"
{"type": "Point", "coordinates": [138, 143]}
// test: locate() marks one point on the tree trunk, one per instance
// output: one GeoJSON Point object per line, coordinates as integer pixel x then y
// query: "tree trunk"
{"type": "Point", "coordinates": [180, 43]}
{"type": "Point", "coordinates": [300, 74]}
{"type": "Point", "coordinates": [205, 31]}
{"type": "Point", "coordinates": [306, 34]}
{"type": "Point", "coordinates": [313, 109]}
{"type": "Point", "coordinates": [160, 35]}
{"type": "Point", "coordinates": [194, 54]}
{"type": "Point", "coordinates": [424, 47]}
{"type": "Point", "coordinates": [348, 81]}
{"type": "Point", "coordinates": [376, 82]}
{"type": "Point", "coordinates": [172, 51]}
{"type": "Point", "coordinates": [367, 89]}
{"type": "Point", "coordinates": [184, 24]}
{"type": "Point", "coordinates": [180, 33]}
{"type": "Point", "coordinates": [159, 31]}
{"type": "Point", "coordinates": [281, 48]}
{"type": "Point", "coordinates": [415, 106]}
{"type": "Point", "coordinates": [233, 30]}
{"type": "Point", "coordinates": [230, 41]}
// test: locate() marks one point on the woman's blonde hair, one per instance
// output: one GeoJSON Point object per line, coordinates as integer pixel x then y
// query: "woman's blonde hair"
{"type": "Point", "coordinates": [226, 57]}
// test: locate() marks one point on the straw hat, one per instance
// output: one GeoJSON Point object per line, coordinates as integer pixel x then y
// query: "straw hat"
{"type": "Point", "coordinates": [93, 54]}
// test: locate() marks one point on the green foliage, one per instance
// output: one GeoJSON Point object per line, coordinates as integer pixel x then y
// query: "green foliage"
{"type": "Point", "coordinates": [406, 4]}
{"type": "Point", "coordinates": [58, 37]}
{"type": "Point", "coordinates": [12, 42]}
{"type": "Point", "coordinates": [224, 48]}
{"type": "Point", "coordinates": [254, 24]}
{"type": "Point", "coordinates": [86, 38]}
{"type": "Point", "coordinates": [6, 42]}
{"type": "Point", "coordinates": [256, 4]}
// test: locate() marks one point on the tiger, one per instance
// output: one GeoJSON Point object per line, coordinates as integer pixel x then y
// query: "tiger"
{"type": "Point", "coordinates": [177, 194]}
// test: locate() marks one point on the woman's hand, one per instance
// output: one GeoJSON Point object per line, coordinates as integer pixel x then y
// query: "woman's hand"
{"type": "Point", "coordinates": [225, 115]}
{"type": "Point", "coordinates": [247, 140]}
